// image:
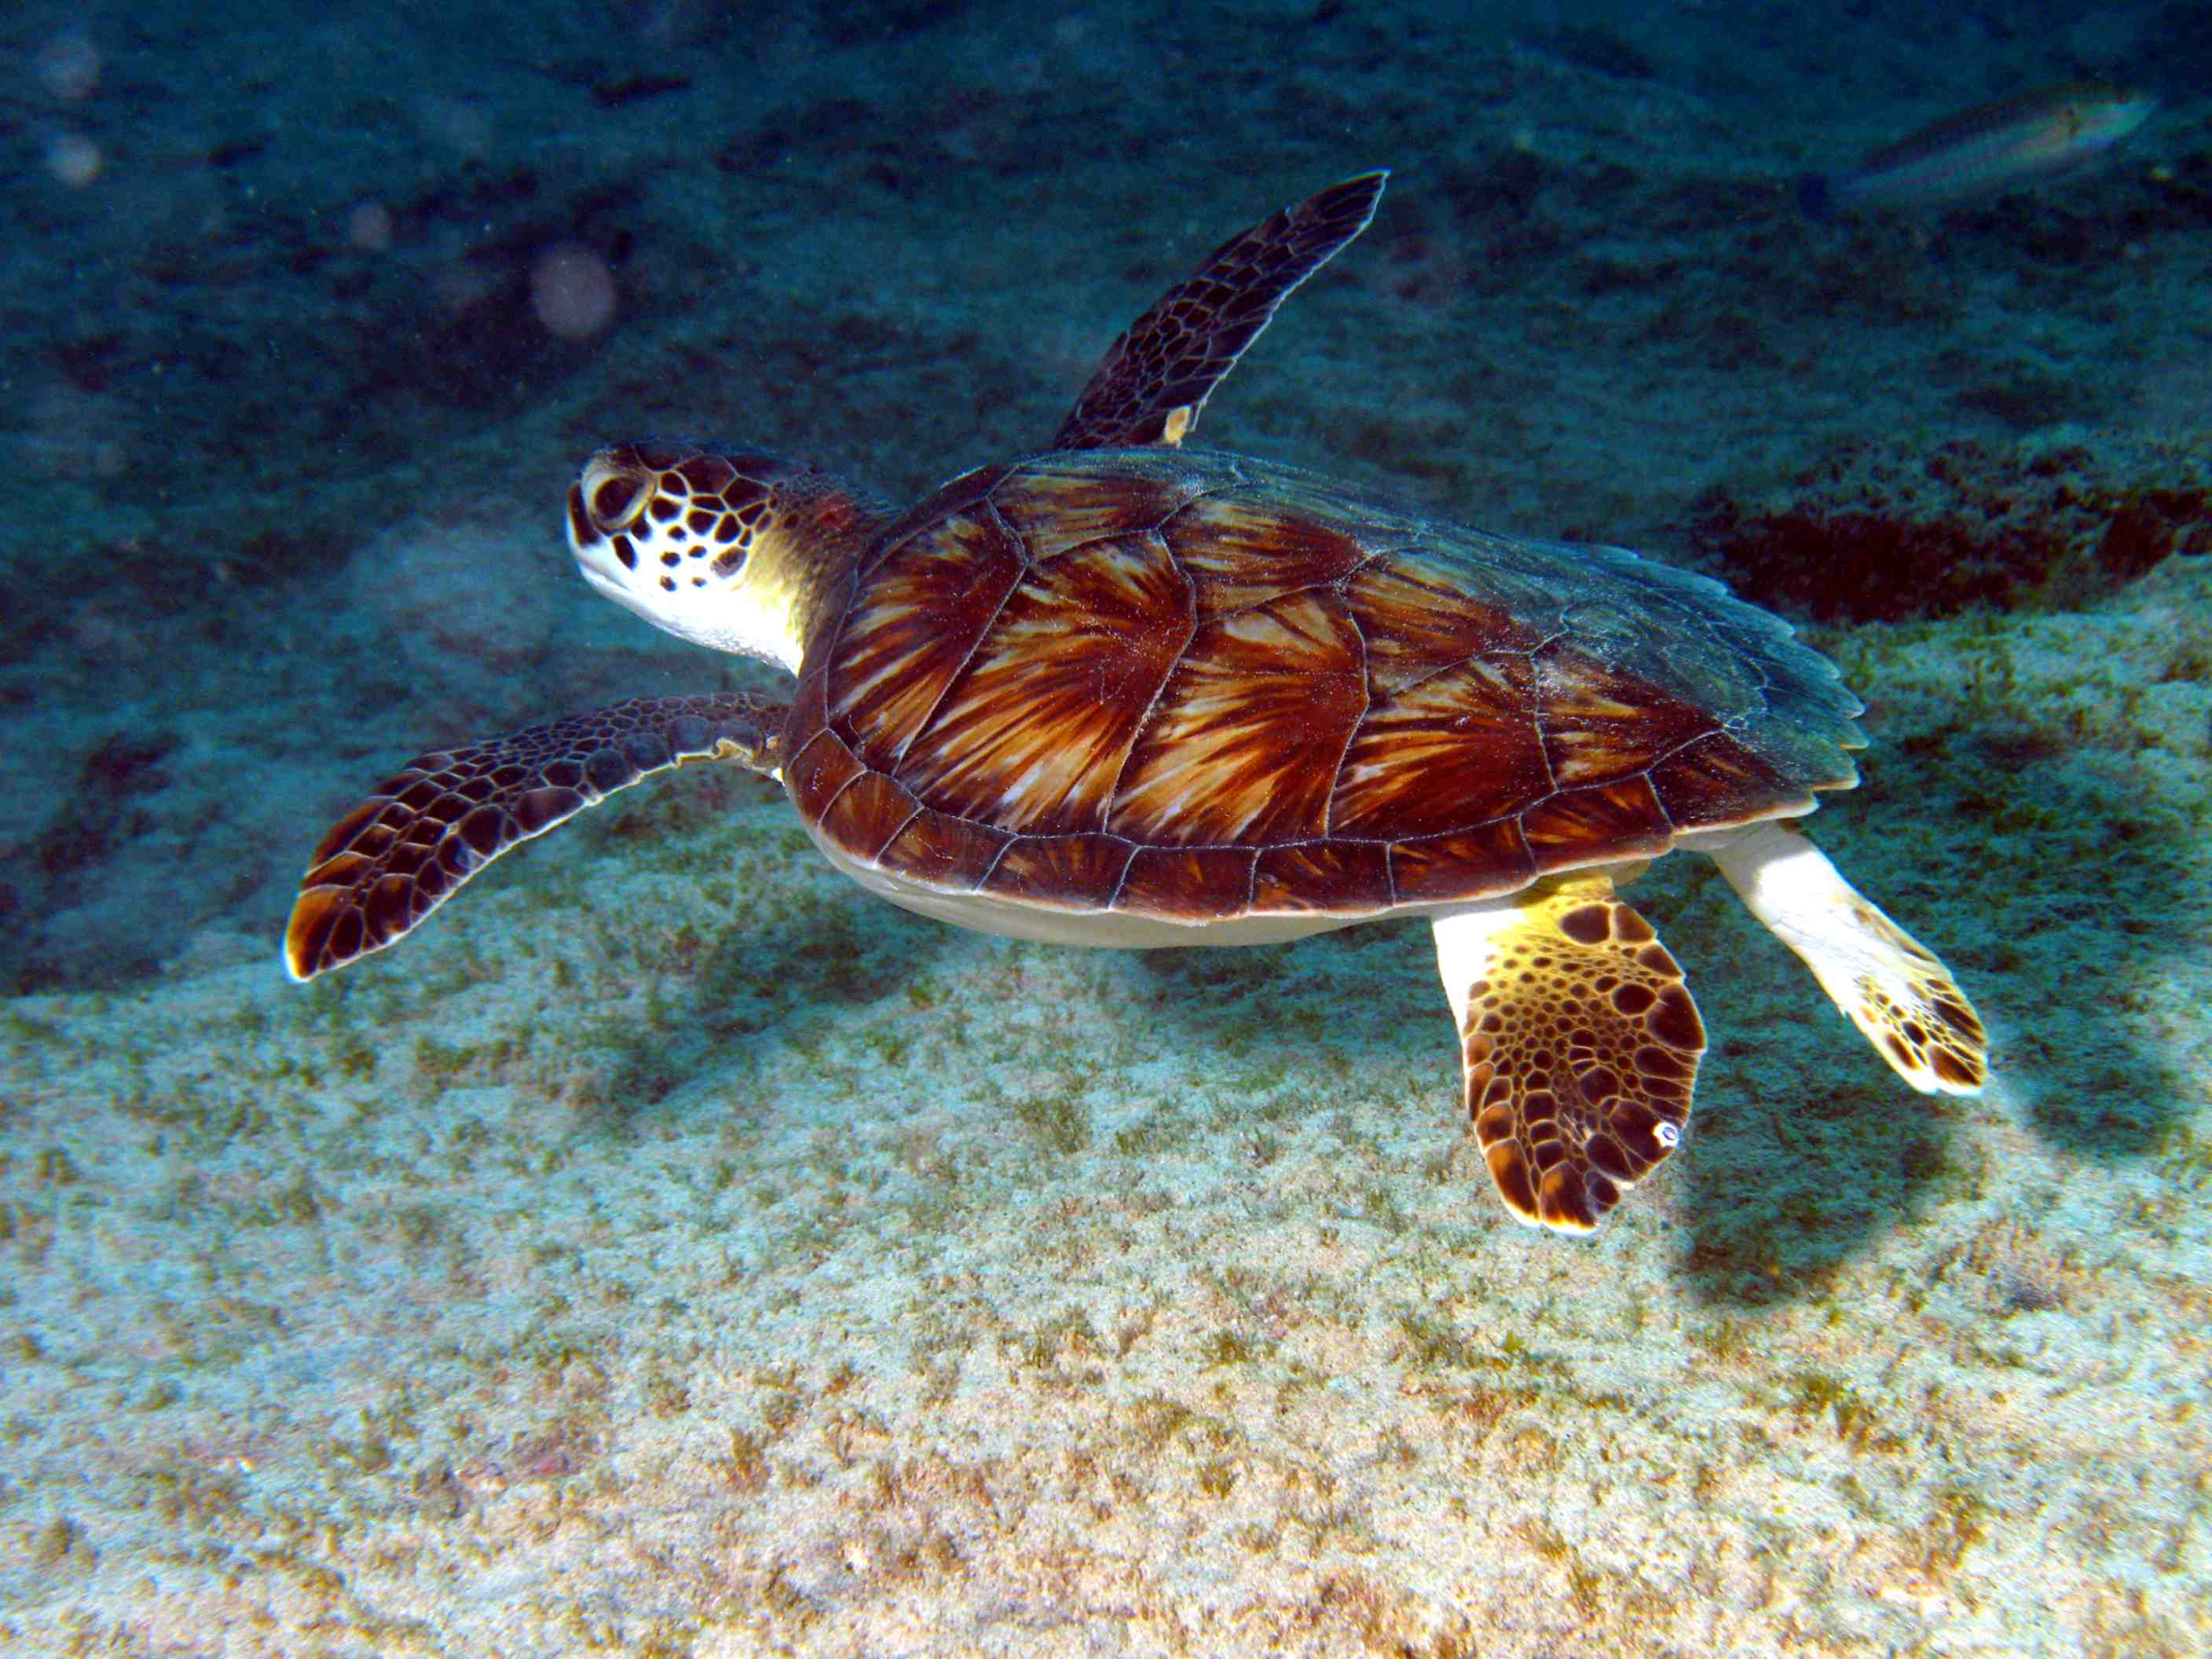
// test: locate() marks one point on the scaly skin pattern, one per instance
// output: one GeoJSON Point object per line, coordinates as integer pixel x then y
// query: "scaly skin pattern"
{"type": "Point", "coordinates": [441, 818]}
{"type": "Point", "coordinates": [1580, 1045]}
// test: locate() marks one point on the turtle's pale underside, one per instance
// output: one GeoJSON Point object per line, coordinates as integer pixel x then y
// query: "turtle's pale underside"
{"type": "Point", "coordinates": [1122, 693]}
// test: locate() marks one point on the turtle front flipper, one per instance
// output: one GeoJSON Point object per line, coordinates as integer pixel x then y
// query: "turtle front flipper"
{"type": "Point", "coordinates": [1887, 983]}
{"type": "Point", "coordinates": [1153, 382]}
{"type": "Point", "coordinates": [444, 815]}
{"type": "Point", "coordinates": [1580, 1045]}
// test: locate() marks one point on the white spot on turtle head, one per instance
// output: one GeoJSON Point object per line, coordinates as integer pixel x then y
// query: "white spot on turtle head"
{"type": "Point", "coordinates": [1667, 1134]}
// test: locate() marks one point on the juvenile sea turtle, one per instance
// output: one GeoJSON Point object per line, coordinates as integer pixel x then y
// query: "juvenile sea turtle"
{"type": "Point", "coordinates": [1122, 693]}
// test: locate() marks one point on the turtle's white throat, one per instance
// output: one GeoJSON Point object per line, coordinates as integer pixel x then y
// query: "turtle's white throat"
{"type": "Point", "coordinates": [723, 615]}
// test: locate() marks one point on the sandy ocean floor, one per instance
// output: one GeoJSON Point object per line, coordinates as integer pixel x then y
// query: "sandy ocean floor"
{"type": "Point", "coordinates": [672, 1250]}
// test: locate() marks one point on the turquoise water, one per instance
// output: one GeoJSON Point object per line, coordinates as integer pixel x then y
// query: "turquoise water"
{"type": "Point", "coordinates": [673, 1249]}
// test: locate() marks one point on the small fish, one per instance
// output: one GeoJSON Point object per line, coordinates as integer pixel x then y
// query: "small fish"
{"type": "Point", "coordinates": [1983, 152]}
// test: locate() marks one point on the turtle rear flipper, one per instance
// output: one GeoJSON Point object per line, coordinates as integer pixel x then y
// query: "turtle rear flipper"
{"type": "Point", "coordinates": [1579, 1042]}
{"type": "Point", "coordinates": [1887, 982]}
{"type": "Point", "coordinates": [444, 815]}
{"type": "Point", "coordinates": [1154, 380]}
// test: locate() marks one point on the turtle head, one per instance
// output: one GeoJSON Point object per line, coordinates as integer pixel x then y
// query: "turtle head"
{"type": "Point", "coordinates": [737, 551]}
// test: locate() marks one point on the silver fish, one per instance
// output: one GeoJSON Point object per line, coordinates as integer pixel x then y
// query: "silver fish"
{"type": "Point", "coordinates": [1986, 151]}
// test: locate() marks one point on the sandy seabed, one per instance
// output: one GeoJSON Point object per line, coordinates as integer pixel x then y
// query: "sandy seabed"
{"type": "Point", "coordinates": [675, 1250]}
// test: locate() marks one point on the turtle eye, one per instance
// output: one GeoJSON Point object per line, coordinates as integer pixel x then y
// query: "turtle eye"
{"type": "Point", "coordinates": [619, 500]}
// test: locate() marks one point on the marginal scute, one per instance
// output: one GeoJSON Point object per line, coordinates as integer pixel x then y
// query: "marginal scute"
{"type": "Point", "coordinates": [1078, 872]}
{"type": "Point", "coordinates": [1720, 779]}
{"type": "Point", "coordinates": [817, 772]}
{"type": "Point", "coordinates": [1490, 858]}
{"type": "Point", "coordinates": [865, 817]}
{"type": "Point", "coordinates": [1616, 820]}
{"type": "Point", "coordinates": [951, 854]}
{"type": "Point", "coordinates": [1344, 877]}
{"type": "Point", "coordinates": [1187, 885]}
{"type": "Point", "coordinates": [809, 713]}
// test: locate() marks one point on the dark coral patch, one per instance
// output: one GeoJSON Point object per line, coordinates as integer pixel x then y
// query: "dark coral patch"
{"type": "Point", "coordinates": [1884, 537]}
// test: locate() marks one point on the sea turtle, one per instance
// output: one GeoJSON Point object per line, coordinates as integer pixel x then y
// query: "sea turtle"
{"type": "Point", "coordinates": [1122, 693]}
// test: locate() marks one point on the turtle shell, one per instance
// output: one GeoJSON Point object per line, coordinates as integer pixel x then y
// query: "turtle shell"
{"type": "Point", "coordinates": [1197, 688]}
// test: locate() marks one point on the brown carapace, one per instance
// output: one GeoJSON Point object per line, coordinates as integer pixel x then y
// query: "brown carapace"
{"type": "Point", "coordinates": [1199, 688]}
{"type": "Point", "coordinates": [1119, 693]}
